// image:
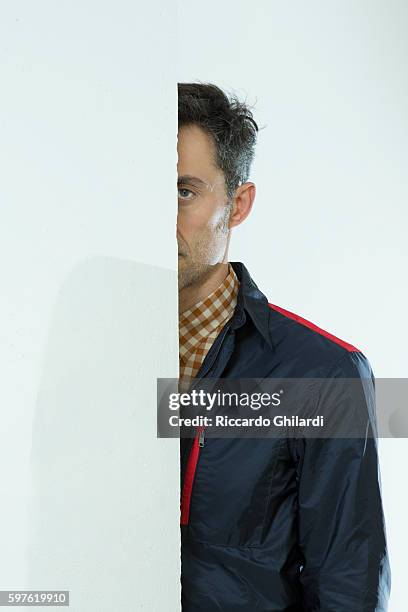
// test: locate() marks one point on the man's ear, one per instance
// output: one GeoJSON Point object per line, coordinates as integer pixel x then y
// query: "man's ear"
{"type": "Point", "coordinates": [242, 203]}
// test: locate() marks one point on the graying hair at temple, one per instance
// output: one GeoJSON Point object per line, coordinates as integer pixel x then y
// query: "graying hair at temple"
{"type": "Point", "coordinates": [230, 123]}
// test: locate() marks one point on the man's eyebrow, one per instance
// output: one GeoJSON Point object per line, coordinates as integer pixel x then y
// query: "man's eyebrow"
{"type": "Point", "coordinates": [187, 179]}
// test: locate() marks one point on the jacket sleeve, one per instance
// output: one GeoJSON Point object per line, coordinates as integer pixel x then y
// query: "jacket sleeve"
{"type": "Point", "coordinates": [341, 530]}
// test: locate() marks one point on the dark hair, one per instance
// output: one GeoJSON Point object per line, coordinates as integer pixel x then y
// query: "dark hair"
{"type": "Point", "coordinates": [228, 121]}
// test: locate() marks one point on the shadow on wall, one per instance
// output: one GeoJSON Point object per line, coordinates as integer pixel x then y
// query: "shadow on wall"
{"type": "Point", "coordinates": [104, 502]}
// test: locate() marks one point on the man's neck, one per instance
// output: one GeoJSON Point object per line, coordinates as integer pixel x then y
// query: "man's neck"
{"type": "Point", "coordinates": [195, 293]}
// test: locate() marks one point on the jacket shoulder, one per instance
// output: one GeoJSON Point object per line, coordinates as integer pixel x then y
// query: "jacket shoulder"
{"type": "Point", "coordinates": [315, 346]}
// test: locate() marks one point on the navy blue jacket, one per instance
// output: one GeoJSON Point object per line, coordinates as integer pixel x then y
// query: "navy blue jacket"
{"type": "Point", "coordinates": [274, 525]}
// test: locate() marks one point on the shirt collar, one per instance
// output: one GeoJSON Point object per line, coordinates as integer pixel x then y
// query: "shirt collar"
{"type": "Point", "coordinates": [210, 313]}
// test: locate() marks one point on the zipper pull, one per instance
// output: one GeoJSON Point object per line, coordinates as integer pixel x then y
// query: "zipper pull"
{"type": "Point", "coordinates": [201, 438]}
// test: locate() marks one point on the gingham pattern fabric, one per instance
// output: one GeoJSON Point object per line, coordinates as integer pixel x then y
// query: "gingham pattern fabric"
{"type": "Point", "coordinates": [200, 325]}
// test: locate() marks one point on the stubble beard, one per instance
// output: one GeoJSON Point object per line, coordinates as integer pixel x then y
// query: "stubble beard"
{"type": "Point", "coordinates": [198, 265]}
{"type": "Point", "coordinates": [193, 274]}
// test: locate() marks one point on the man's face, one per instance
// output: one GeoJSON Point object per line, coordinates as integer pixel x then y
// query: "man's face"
{"type": "Point", "coordinates": [203, 210]}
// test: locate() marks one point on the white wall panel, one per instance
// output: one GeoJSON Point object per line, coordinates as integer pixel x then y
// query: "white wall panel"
{"type": "Point", "coordinates": [88, 312]}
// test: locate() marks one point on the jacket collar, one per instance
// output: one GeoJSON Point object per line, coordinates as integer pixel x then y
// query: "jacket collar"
{"type": "Point", "coordinates": [251, 301]}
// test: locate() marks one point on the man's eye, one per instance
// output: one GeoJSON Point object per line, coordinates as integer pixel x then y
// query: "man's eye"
{"type": "Point", "coordinates": [185, 194]}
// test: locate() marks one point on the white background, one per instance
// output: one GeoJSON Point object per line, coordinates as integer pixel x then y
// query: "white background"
{"type": "Point", "coordinates": [88, 126]}
{"type": "Point", "coordinates": [89, 497]}
{"type": "Point", "coordinates": [327, 235]}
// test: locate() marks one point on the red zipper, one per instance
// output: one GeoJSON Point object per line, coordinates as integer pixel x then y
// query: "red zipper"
{"type": "Point", "coordinates": [190, 475]}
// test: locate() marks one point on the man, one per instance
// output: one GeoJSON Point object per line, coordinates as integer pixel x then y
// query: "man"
{"type": "Point", "coordinates": [267, 524]}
